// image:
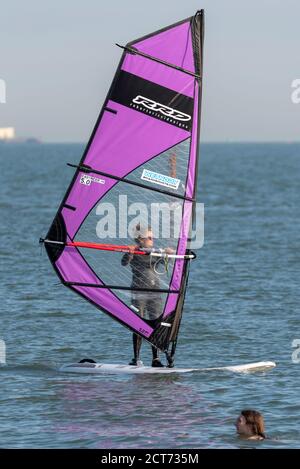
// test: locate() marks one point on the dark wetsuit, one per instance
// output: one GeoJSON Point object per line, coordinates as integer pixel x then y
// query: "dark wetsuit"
{"type": "Point", "coordinates": [149, 306]}
{"type": "Point", "coordinates": [144, 276]}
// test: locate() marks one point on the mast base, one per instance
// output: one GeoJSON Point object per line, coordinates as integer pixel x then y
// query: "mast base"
{"type": "Point", "coordinates": [170, 359]}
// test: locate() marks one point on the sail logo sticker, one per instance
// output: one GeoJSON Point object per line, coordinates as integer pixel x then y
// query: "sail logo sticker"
{"type": "Point", "coordinates": [161, 108]}
{"type": "Point", "coordinates": [160, 179]}
{"type": "Point", "coordinates": [87, 180]}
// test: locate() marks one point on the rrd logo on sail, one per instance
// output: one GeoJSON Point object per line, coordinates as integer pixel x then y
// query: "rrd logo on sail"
{"type": "Point", "coordinates": [161, 108]}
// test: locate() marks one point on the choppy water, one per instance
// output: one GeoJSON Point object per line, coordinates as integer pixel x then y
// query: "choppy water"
{"type": "Point", "coordinates": [242, 306]}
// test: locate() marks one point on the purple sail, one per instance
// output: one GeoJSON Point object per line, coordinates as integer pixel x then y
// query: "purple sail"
{"type": "Point", "coordinates": [143, 150]}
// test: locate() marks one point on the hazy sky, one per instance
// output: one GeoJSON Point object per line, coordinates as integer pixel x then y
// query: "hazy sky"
{"type": "Point", "coordinates": [58, 59]}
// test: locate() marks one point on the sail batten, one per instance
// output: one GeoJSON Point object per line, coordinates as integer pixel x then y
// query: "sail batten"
{"type": "Point", "coordinates": [155, 59]}
{"type": "Point", "coordinates": [121, 287]}
{"type": "Point", "coordinates": [86, 169]}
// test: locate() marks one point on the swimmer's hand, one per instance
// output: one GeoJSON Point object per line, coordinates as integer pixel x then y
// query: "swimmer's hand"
{"type": "Point", "coordinates": [169, 251]}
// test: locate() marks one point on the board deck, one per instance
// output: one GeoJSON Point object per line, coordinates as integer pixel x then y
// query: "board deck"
{"type": "Point", "coordinates": [116, 368]}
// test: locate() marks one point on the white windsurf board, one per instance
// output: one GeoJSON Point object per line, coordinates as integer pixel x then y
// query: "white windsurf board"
{"type": "Point", "coordinates": [116, 368]}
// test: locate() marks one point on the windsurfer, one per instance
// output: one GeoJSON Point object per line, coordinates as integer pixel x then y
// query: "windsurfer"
{"type": "Point", "coordinates": [144, 276]}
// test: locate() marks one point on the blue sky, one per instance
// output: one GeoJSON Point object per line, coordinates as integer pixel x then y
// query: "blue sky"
{"type": "Point", "coordinates": [58, 59]}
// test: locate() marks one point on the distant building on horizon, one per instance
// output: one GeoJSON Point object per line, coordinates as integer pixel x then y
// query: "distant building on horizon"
{"type": "Point", "coordinates": [7, 133]}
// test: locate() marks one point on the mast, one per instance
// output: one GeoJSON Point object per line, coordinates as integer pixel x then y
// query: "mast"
{"type": "Point", "coordinates": [197, 24]}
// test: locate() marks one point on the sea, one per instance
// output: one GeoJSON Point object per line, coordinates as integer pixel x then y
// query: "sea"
{"type": "Point", "coordinates": [242, 305]}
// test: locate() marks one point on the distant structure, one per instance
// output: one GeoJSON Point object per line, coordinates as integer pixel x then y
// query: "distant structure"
{"type": "Point", "coordinates": [7, 133]}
